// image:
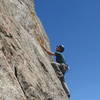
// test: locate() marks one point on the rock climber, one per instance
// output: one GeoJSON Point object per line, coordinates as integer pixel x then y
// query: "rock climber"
{"type": "Point", "coordinates": [59, 57]}
{"type": "Point", "coordinates": [60, 65]}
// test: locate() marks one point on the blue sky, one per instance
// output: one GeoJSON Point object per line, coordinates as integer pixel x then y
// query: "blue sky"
{"type": "Point", "coordinates": [76, 24]}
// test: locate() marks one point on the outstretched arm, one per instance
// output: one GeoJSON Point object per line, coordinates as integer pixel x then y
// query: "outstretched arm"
{"type": "Point", "coordinates": [49, 52]}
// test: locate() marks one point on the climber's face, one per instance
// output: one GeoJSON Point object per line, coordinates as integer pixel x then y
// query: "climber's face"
{"type": "Point", "coordinates": [58, 49]}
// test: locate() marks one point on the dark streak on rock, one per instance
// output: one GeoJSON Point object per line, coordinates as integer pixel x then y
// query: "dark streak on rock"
{"type": "Point", "coordinates": [16, 72]}
{"type": "Point", "coordinates": [5, 33]}
{"type": "Point", "coordinates": [20, 2]}
{"type": "Point", "coordinates": [13, 46]}
{"type": "Point", "coordinates": [42, 64]}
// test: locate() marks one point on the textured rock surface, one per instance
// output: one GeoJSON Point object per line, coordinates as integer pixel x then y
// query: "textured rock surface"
{"type": "Point", "coordinates": [25, 69]}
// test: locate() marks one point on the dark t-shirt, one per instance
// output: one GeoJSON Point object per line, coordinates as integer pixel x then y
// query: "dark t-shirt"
{"type": "Point", "coordinates": [59, 58]}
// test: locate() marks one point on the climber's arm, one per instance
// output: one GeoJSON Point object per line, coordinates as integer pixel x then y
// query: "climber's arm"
{"type": "Point", "coordinates": [49, 52]}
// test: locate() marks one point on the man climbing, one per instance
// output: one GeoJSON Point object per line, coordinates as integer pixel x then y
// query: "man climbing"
{"type": "Point", "coordinates": [60, 65]}
{"type": "Point", "coordinates": [59, 57]}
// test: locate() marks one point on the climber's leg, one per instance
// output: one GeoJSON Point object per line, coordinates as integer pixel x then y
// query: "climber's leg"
{"type": "Point", "coordinates": [60, 75]}
{"type": "Point", "coordinates": [55, 66]}
{"type": "Point", "coordinates": [63, 68]}
{"type": "Point", "coordinates": [66, 88]}
{"type": "Point", "coordinates": [57, 70]}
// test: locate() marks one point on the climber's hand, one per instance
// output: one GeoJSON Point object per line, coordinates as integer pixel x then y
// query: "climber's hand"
{"type": "Point", "coordinates": [41, 45]}
{"type": "Point", "coordinates": [49, 52]}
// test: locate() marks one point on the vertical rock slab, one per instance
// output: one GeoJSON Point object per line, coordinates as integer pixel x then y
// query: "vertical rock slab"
{"type": "Point", "coordinates": [9, 86]}
{"type": "Point", "coordinates": [25, 69]}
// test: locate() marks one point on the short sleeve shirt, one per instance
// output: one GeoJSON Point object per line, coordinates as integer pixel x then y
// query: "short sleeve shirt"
{"type": "Point", "coordinates": [59, 58]}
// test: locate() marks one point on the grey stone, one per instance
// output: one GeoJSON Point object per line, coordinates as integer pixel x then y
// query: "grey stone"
{"type": "Point", "coordinates": [25, 69]}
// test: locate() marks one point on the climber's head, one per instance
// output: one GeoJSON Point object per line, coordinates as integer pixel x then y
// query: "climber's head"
{"type": "Point", "coordinates": [60, 48]}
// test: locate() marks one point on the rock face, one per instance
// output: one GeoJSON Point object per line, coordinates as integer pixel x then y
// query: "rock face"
{"type": "Point", "coordinates": [25, 69]}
